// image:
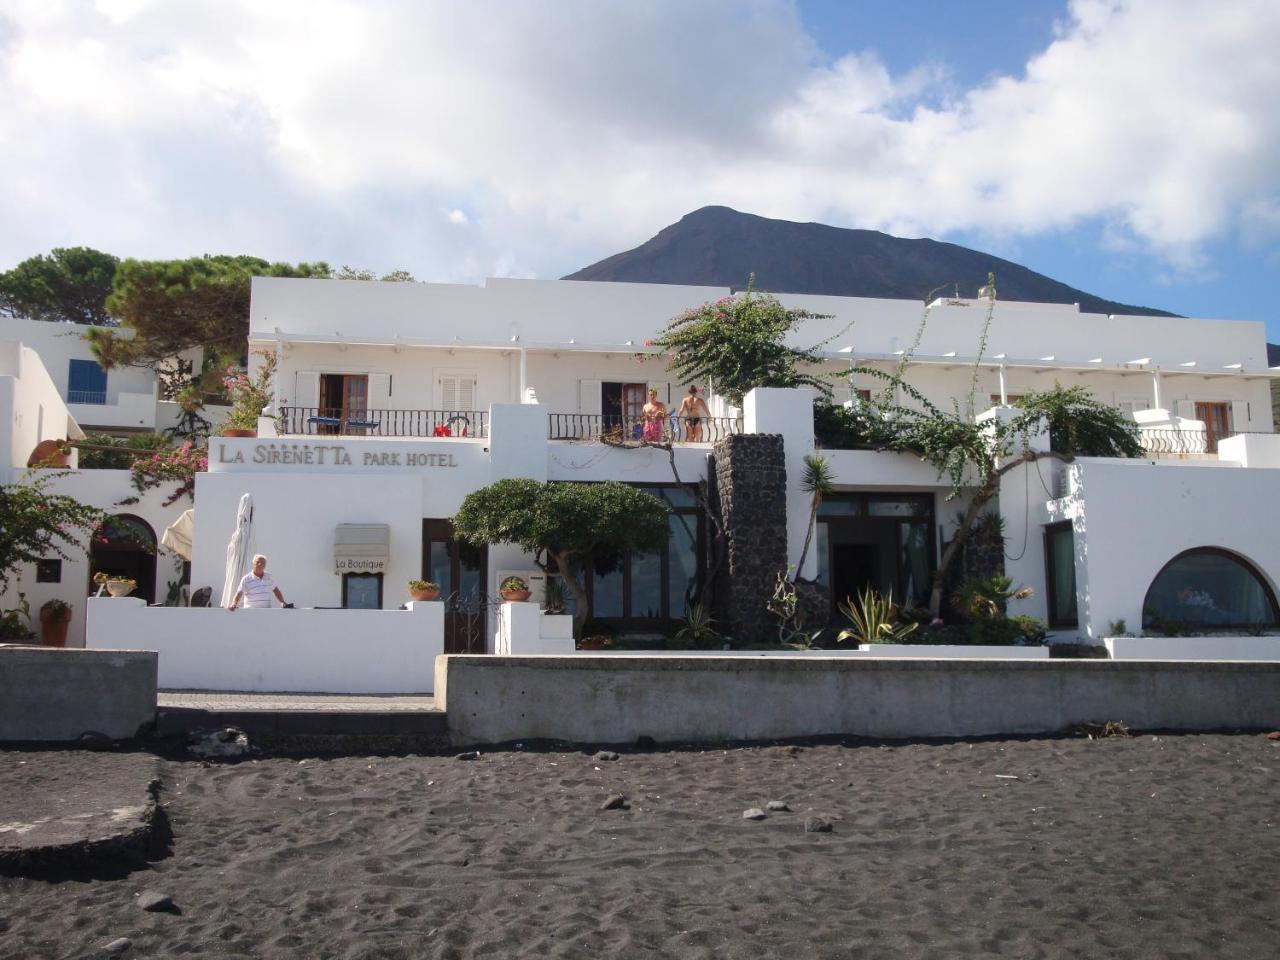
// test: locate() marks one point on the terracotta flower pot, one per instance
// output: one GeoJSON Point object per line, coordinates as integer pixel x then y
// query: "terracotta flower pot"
{"type": "Point", "coordinates": [120, 588]}
{"type": "Point", "coordinates": [239, 432]}
{"type": "Point", "coordinates": [515, 596]}
{"type": "Point", "coordinates": [49, 453]}
{"type": "Point", "coordinates": [53, 628]}
{"type": "Point", "coordinates": [428, 594]}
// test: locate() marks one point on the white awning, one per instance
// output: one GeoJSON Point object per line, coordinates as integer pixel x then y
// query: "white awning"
{"type": "Point", "coordinates": [361, 547]}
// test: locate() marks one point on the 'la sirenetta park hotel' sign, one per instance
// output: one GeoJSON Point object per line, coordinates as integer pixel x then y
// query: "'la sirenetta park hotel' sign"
{"type": "Point", "coordinates": [328, 455]}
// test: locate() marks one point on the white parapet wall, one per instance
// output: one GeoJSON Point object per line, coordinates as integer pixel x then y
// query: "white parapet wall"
{"type": "Point", "coordinates": [953, 651]}
{"type": "Point", "coordinates": [606, 699]}
{"type": "Point", "coordinates": [278, 650]}
{"type": "Point", "coordinates": [524, 630]}
{"type": "Point", "coordinates": [1194, 648]}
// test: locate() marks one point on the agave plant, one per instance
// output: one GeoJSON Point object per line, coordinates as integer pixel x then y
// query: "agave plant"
{"type": "Point", "coordinates": [874, 619]}
{"type": "Point", "coordinates": [696, 629]}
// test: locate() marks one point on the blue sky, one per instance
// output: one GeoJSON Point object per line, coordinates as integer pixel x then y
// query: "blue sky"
{"type": "Point", "coordinates": [1130, 148]}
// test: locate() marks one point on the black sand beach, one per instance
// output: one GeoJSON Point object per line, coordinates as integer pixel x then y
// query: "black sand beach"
{"type": "Point", "coordinates": [1162, 846]}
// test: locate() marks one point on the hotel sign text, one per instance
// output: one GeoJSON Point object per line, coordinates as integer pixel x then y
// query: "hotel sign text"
{"type": "Point", "coordinates": [334, 455]}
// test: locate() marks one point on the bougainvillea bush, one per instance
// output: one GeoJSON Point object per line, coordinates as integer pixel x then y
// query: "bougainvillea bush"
{"type": "Point", "coordinates": [180, 464]}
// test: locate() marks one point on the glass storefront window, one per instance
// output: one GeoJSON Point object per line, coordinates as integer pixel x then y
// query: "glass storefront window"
{"type": "Point", "coordinates": [606, 586]}
{"type": "Point", "coordinates": [682, 551]}
{"type": "Point", "coordinates": [362, 591]}
{"type": "Point", "coordinates": [897, 508]}
{"type": "Point", "coordinates": [838, 507]}
{"type": "Point", "coordinates": [1060, 556]}
{"type": "Point", "coordinates": [914, 577]}
{"type": "Point", "coordinates": [1209, 588]}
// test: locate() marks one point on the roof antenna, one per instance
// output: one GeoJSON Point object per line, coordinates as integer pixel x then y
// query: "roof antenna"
{"type": "Point", "coordinates": [957, 290]}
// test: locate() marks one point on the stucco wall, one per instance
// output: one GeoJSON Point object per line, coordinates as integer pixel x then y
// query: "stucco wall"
{"type": "Point", "coordinates": [305, 651]}
{"type": "Point", "coordinates": [1134, 516]}
{"type": "Point", "coordinates": [617, 699]}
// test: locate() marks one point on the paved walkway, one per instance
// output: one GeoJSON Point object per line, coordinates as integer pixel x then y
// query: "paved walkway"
{"type": "Point", "coordinates": [224, 701]}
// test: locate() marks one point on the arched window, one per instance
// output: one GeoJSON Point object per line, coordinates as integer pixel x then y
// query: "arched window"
{"type": "Point", "coordinates": [125, 546]}
{"type": "Point", "coordinates": [1209, 587]}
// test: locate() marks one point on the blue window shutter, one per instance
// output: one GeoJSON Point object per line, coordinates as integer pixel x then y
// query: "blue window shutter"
{"type": "Point", "coordinates": [86, 382]}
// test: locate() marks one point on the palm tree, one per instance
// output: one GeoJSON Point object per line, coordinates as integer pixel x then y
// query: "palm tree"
{"type": "Point", "coordinates": [818, 481]}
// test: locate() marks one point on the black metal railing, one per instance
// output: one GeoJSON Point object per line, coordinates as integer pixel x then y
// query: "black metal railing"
{"type": "Point", "coordinates": [619, 429]}
{"type": "Point", "coordinates": [317, 421]}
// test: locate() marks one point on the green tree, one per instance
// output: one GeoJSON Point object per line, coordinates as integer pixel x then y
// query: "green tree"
{"type": "Point", "coordinates": [736, 343]}
{"type": "Point", "coordinates": [35, 524]}
{"type": "Point", "coordinates": [975, 456]}
{"type": "Point", "coordinates": [818, 481]}
{"type": "Point", "coordinates": [563, 522]}
{"type": "Point", "coordinates": [172, 305]}
{"type": "Point", "coordinates": [346, 272]}
{"type": "Point", "coordinates": [69, 285]}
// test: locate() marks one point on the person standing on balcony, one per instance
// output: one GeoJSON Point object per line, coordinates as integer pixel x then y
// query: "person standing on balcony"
{"type": "Point", "coordinates": [654, 413]}
{"type": "Point", "coordinates": [693, 411]}
{"type": "Point", "coordinates": [257, 586]}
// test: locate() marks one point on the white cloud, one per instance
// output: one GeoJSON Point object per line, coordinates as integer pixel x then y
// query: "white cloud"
{"type": "Point", "coordinates": [340, 130]}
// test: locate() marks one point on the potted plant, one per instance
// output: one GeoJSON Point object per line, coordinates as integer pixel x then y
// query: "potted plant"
{"type": "Point", "coordinates": [55, 615]}
{"type": "Point", "coordinates": [515, 589]}
{"type": "Point", "coordinates": [120, 586]}
{"type": "Point", "coordinates": [248, 395]}
{"type": "Point", "coordinates": [423, 590]}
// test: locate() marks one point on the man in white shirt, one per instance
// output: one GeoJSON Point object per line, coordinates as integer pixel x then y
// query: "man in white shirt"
{"type": "Point", "coordinates": [256, 587]}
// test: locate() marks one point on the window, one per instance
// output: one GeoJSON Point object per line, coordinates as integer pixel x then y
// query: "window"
{"type": "Point", "coordinates": [86, 382]}
{"type": "Point", "coordinates": [362, 591]}
{"type": "Point", "coordinates": [344, 403]}
{"type": "Point", "coordinates": [1209, 587]}
{"type": "Point", "coordinates": [48, 571]}
{"type": "Point", "coordinates": [1060, 574]}
{"type": "Point", "coordinates": [651, 586]}
{"type": "Point", "coordinates": [1217, 423]}
{"type": "Point", "coordinates": [457, 391]}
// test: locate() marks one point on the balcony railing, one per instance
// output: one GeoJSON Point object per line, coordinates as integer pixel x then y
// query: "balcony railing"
{"type": "Point", "coordinates": [594, 426]}
{"type": "Point", "coordinates": [87, 396]}
{"type": "Point", "coordinates": [320, 422]}
{"type": "Point", "coordinates": [1162, 443]}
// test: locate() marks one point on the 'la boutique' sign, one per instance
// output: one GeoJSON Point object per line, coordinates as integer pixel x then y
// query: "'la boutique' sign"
{"type": "Point", "coordinates": [334, 455]}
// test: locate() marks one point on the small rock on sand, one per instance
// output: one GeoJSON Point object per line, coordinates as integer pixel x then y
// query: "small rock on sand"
{"type": "Point", "coordinates": [117, 946]}
{"type": "Point", "coordinates": [605, 755]}
{"type": "Point", "coordinates": [227, 742]}
{"type": "Point", "coordinates": [616, 802]}
{"type": "Point", "coordinates": [153, 901]}
{"type": "Point", "coordinates": [93, 740]}
{"type": "Point", "coordinates": [753, 813]}
{"type": "Point", "coordinates": [816, 825]}
{"type": "Point", "coordinates": [1274, 735]}
{"type": "Point", "coordinates": [777, 806]}
{"type": "Point", "coordinates": [469, 755]}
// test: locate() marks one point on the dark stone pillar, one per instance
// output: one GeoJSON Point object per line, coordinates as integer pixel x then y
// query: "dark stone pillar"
{"type": "Point", "coordinates": [751, 490]}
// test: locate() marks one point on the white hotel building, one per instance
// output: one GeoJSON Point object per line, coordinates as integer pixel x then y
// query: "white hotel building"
{"type": "Point", "coordinates": [396, 400]}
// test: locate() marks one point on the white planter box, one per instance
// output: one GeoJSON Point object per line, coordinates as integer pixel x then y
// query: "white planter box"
{"type": "Point", "coordinates": [1193, 648]}
{"type": "Point", "coordinates": [946, 651]}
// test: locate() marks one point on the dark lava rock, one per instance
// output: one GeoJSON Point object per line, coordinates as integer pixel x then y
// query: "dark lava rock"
{"type": "Point", "coordinates": [616, 802]}
{"type": "Point", "coordinates": [469, 755]}
{"type": "Point", "coordinates": [605, 755]}
{"type": "Point", "coordinates": [646, 741]}
{"type": "Point", "coordinates": [816, 825]}
{"type": "Point", "coordinates": [93, 740]}
{"type": "Point", "coordinates": [155, 902]}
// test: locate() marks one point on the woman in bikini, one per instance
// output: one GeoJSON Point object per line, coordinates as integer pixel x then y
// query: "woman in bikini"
{"type": "Point", "coordinates": [693, 410]}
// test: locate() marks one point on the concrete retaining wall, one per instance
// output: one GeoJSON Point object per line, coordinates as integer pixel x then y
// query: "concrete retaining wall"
{"type": "Point", "coordinates": [607, 699]}
{"type": "Point", "coordinates": [50, 694]}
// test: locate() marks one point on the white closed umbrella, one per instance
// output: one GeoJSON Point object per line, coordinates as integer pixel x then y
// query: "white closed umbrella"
{"type": "Point", "coordinates": [239, 550]}
{"type": "Point", "coordinates": [177, 536]}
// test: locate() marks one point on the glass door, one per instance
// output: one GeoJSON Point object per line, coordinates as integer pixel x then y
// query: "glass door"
{"type": "Point", "coordinates": [460, 572]}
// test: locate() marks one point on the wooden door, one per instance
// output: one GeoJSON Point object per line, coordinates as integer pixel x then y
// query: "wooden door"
{"type": "Point", "coordinates": [1217, 423]}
